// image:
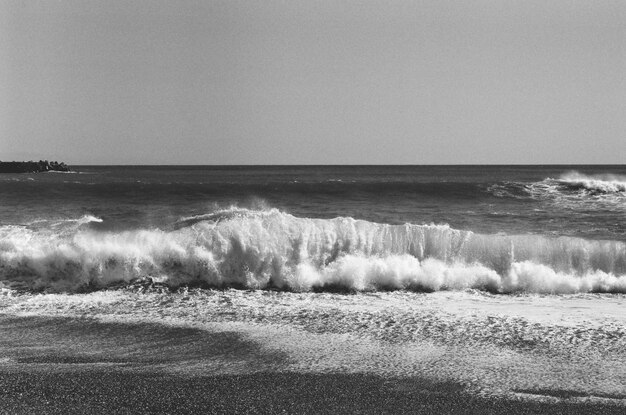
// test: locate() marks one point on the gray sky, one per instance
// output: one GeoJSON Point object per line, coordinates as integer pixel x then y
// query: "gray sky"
{"type": "Point", "coordinates": [313, 82]}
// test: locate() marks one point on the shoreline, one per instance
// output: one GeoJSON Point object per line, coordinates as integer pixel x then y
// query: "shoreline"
{"type": "Point", "coordinates": [225, 351]}
{"type": "Point", "coordinates": [89, 366]}
{"type": "Point", "coordinates": [115, 392]}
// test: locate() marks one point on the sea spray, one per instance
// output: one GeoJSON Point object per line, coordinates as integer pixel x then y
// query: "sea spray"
{"type": "Point", "coordinates": [600, 183]}
{"type": "Point", "coordinates": [268, 248]}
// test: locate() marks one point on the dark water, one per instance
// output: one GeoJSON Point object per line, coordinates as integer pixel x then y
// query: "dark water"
{"type": "Point", "coordinates": [500, 228]}
{"type": "Point", "coordinates": [550, 200]}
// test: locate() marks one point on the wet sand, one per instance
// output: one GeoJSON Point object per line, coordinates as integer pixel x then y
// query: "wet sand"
{"type": "Point", "coordinates": [95, 391]}
{"type": "Point", "coordinates": [58, 365]}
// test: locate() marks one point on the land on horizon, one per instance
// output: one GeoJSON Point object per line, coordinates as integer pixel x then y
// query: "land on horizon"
{"type": "Point", "coordinates": [32, 166]}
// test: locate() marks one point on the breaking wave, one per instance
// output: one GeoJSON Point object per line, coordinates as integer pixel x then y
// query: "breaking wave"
{"type": "Point", "coordinates": [259, 249]}
{"type": "Point", "coordinates": [570, 189]}
{"type": "Point", "coordinates": [602, 183]}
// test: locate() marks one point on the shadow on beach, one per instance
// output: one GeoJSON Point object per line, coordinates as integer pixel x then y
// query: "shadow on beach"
{"type": "Point", "coordinates": [80, 365]}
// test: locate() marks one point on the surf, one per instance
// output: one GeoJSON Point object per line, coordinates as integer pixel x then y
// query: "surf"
{"type": "Point", "coordinates": [272, 249]}
{"type": "Point", "coordinates": [599, 183]}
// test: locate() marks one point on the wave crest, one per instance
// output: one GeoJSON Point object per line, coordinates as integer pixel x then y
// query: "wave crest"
{"type": "Point", "coordinates": [601, 183]}
{"type": "Point", "coordinates": [270, 248]}
{"type": "Point", "coordinates": [573, 183]}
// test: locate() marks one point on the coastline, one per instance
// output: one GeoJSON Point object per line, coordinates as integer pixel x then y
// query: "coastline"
{"type": "Point", "coordinates": [96, 391]}
{"type": "Point", "coordinates": [32, 166]}
{"type": "Point", "coordinates": [227, 351]}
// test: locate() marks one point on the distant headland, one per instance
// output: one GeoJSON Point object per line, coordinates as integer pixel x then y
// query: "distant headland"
{"type": "Point", "coordinates": [32, 166]}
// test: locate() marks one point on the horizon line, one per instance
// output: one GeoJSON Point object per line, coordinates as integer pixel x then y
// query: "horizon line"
{"type": "Point", "coordinates": [349, 165]}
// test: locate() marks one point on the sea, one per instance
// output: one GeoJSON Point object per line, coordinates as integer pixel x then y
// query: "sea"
{"type": "Point", "coordinates": [499, 229]}
{"type": "Point", "coordinates": [495, 285]}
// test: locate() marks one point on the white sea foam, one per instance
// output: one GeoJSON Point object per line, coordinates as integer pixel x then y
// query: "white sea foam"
{"type": "Point", "coordinates": [602, 183]}
{"type": "Point", "coordinates": [487, 343]}
{"type": "Point", "coordinates": [81, 221]}
{"type": "Point", "coordinates": [571, 187]}
{"type": "Point", "coordinates": [270, 248]}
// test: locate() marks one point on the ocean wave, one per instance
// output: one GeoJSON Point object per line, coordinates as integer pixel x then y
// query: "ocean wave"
{"type": "Point", "coordinates": [221, 214]}
{"type": "Point", "coordinates": [569, 190]}
{"type": "Point", "coordinates": [514, 190]}
{"type": "Point", "coordinates": [259, 249]}
{"type": "Point", "coordinates": [577, 185]}
{"type": "Point", "coordinates": [61, 224]}
{"type": "Point", "coordinates": [82, 220]}
{"type": "Point", "coordinates": [601, 183]}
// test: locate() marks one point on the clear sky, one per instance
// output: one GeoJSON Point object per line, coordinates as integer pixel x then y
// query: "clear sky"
{"type": "Point", "coordinates": [313, 82]}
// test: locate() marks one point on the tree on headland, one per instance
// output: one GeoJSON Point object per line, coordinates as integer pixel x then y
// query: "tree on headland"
{"type": "Point", "coordinates": [32, 166]}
